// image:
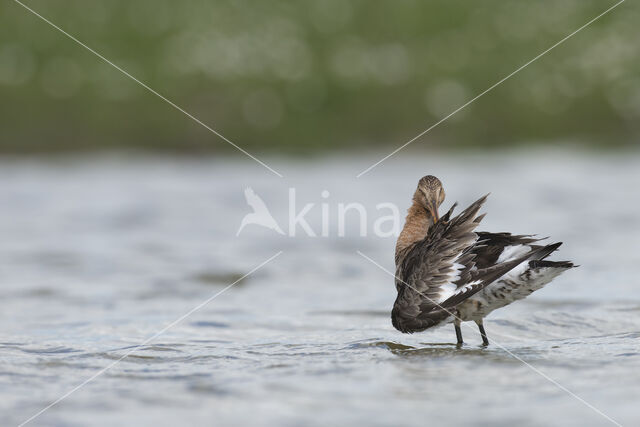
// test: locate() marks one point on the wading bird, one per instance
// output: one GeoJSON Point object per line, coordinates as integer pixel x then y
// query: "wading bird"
{"type": "Point", "coordinates": [446, 272]}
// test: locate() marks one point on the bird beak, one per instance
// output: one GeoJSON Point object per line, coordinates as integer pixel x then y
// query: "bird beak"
{"type": "Point", "coordinates": [434, 212]}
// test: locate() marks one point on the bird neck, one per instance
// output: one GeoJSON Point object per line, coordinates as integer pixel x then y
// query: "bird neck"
{"type": "Point", "coordinates": [415, 227]}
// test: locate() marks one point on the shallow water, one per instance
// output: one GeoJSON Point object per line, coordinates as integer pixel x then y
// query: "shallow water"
{"type": "Point", "coordinates": [98, 254]}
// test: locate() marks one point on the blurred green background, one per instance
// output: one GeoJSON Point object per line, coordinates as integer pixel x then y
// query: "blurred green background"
{"type": "Point", "coordinates": [298, 76]}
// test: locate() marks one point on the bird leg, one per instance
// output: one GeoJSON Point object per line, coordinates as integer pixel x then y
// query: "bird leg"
{"type": "Point", "coordinates": [456, 323]}
{"type": "Point", "coordinates": [485, 340]}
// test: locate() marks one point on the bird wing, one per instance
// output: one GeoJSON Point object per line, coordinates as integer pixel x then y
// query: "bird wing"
{"type": "Point", "coordinates": [493, 248]}
{"type": "Point", "coordinates": [427, 273]}
{"type": "Point", "coordinates": [439, 272]}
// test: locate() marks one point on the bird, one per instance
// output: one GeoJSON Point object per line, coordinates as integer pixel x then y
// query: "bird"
{"type": "Point", "coordinates": [446, 272]}
{"type": "Point", "coordinates": [260, 215]}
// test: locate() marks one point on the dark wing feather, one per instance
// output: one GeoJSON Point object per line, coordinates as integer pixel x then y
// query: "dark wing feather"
{"type": "Point", "coordinates": [481, 277]}
{"type": "Point", "coordinates": [491, 245]}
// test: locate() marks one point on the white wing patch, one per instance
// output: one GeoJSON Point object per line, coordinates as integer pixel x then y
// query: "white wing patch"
{"type": "Point", "coordinates": [509, 253]}
{"type": "Point", "coordinates": [512, 252]}
{"type": "Point", "coordinates": [467, 287]}
{"type": "Point", "coordinates": [449, 289]}
{"type": "Point", "coordinates": [516, 272]}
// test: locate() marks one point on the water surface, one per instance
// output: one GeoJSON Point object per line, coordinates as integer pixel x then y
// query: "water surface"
{"type": "Point", "coordinates": [99, 253]}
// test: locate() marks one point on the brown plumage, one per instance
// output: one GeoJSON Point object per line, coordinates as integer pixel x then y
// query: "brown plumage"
{"type": "Point", "coordinates": [446, 271]}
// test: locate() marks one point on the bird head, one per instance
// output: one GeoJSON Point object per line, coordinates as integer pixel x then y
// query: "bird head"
{"type": "Point", "coordinates": [429, 195]}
